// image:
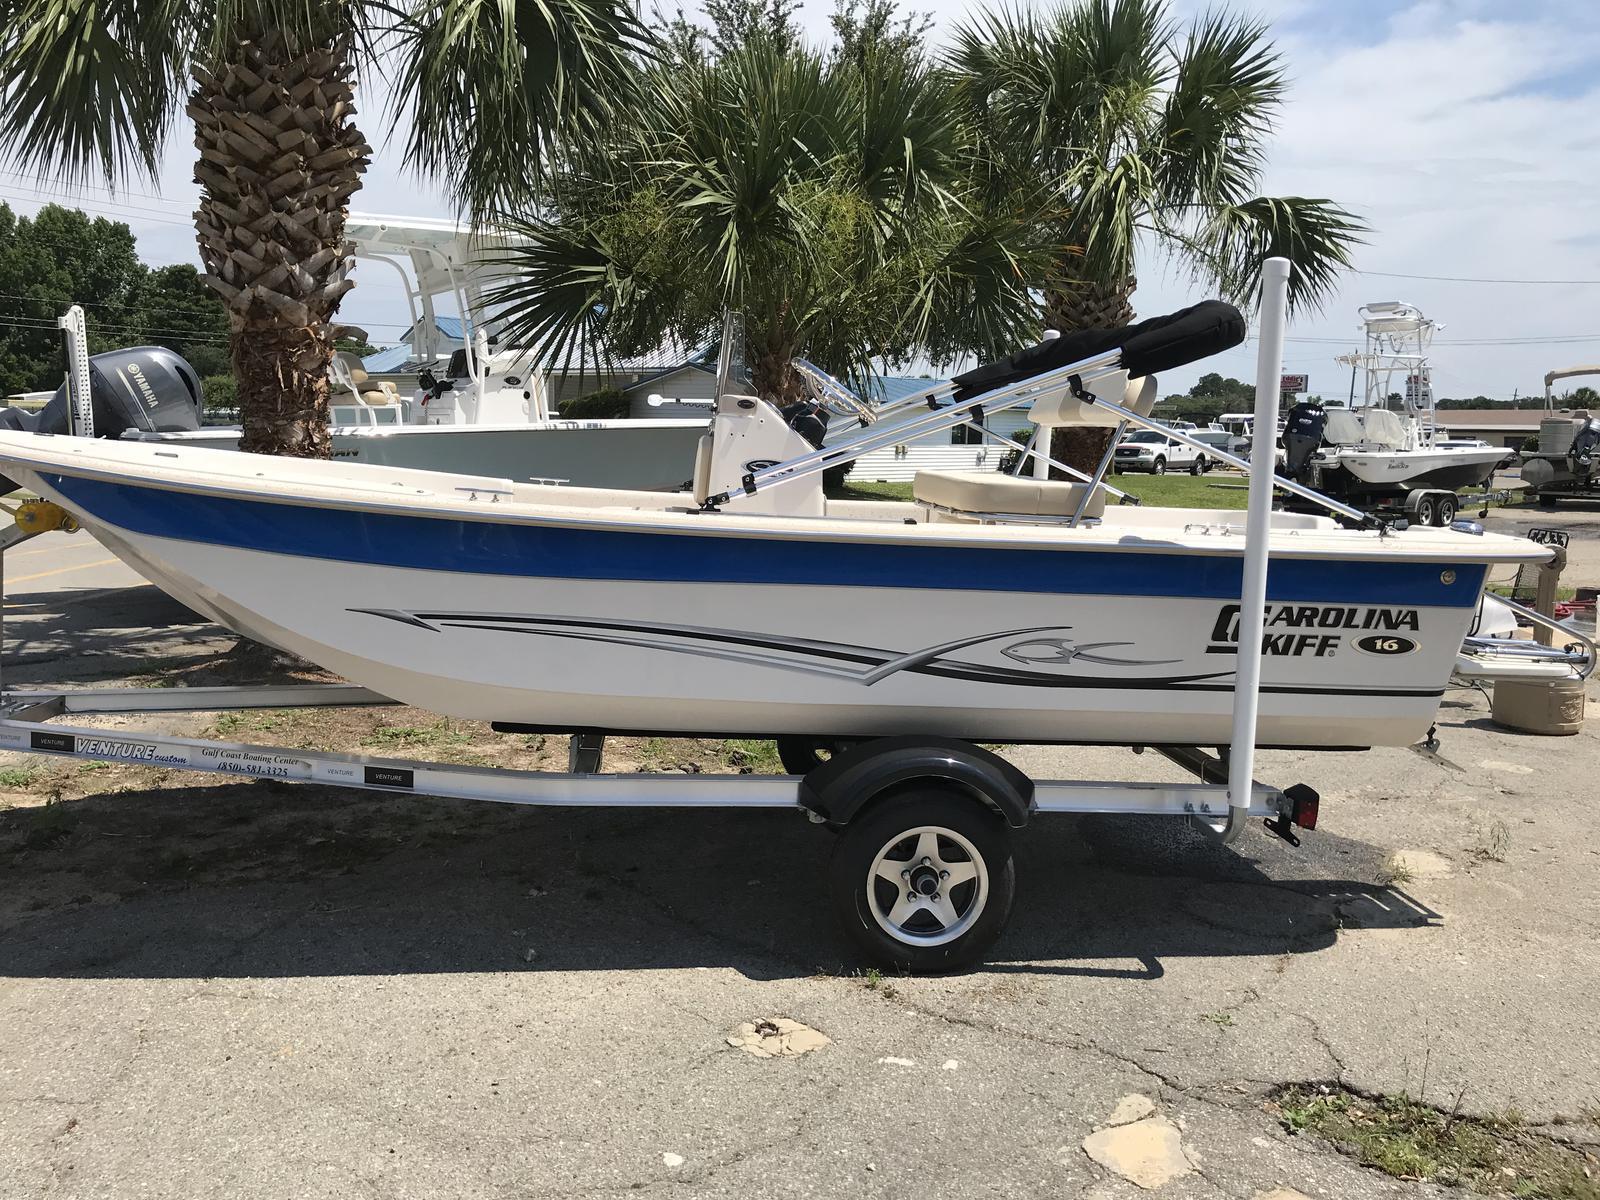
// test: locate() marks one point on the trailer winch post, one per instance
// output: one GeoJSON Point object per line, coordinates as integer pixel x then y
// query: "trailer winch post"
{"type": "Point", "coordinates": [1258, 531]}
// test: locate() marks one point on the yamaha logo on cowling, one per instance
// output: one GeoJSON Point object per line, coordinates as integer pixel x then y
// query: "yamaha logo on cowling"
{"type": "Point", "coordinates": [1315, 630]}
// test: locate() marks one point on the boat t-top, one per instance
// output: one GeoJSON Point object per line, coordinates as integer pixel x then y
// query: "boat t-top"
{"type": "Point", "coordinates": [483, 407]}
{"type": "Point", "coordinates": [1370, 454]}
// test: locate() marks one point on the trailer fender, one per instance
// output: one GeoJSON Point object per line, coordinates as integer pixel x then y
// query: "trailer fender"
{"type": "Point", "coordinates": [840, 788]}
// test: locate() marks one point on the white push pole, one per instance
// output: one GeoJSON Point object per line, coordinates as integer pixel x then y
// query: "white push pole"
{"type": "Point", "coordinates": [80, 405]}
{"type": "Point", "coordinates": [1258, 529]}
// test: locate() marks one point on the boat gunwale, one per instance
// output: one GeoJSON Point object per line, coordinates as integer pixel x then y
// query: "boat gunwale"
{"type": "Point", "coordinates": [436, 505]}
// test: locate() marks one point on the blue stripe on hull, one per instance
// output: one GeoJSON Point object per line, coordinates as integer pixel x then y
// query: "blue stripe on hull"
{"type": "Point", "coordinates": [554, 551]}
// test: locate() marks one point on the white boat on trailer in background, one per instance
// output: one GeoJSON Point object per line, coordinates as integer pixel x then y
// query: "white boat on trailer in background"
{"type": "Point", "coordinates": [1375, 457]}
{"type": "Point", "coordinates": [898, 635]}
{"type": "Point", "coordinates": [484, 408]}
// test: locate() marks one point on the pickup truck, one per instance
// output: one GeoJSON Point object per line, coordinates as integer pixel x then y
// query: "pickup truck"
{"type": "Point", "coordinates": [1155, 452]}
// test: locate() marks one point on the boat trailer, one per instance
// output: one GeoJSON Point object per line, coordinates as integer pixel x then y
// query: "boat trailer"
{"type": "Point", "coordinates": [922, 874]}
{"type": "Point", "coordinates": [919, 826]}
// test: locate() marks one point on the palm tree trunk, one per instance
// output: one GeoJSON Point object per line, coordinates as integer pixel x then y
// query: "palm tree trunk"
{"type": "Point", "coordinates": [1085, 305]}
{"type": "Point", "coordinates": [280, 157]}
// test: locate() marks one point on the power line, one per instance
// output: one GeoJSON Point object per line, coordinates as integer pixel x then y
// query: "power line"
{"type": "Point", "coordinates": [32, 181]}
{"type": "Point", "coordinates": [1472, 279]}
{"type": "Point", "coordinates": [121, 212]}
{"type": "Point", "coordinates": [1553, 340]}
{"type": "Point", "coordinates": [179, 335]}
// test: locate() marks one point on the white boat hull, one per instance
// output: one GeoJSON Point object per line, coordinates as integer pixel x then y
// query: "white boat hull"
{"type": "Point", "coordinates": [707, 623]}
{"type": "Point", "coordinates": [650, 455]}
{"type": "Point", "coordinates": [1454, 469]}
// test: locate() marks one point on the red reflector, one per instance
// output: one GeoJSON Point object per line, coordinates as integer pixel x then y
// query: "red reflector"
{"type": "Point", "coordinates": [1305, 811]}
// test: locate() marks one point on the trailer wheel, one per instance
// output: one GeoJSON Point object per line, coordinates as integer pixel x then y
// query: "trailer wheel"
{"type": "Point", "coordinates": [1448, 507]}
{"type": "Point", "coordinates": [924, 881]}
{"type": "Point", "coordinates": [1427, 511]}
{"type": "Point", "coordinates": [1546, 499]}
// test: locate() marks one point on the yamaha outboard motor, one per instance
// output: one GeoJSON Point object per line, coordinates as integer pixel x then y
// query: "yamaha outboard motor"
{"type": "Point", "coordinates": [147, 388]}
{"type": "Point", "coordinates": [1302, 434]}
{"type": "Point", "coordinates": [805, 418]}
{"type": "Point", "coordinates": [1585, 446]}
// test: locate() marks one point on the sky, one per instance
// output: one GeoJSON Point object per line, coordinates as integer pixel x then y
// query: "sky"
{"type": "Point", "coordinates": [1466, 133]}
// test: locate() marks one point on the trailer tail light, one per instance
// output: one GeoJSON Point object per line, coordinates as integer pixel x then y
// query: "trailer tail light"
{"type": "Point", "coordinates": [1303, 805]}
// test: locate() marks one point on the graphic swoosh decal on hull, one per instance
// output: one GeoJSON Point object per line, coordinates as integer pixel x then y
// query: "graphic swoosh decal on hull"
{"type": "Point", "coordinates": [874, 664]}
{"type": "Point", "coordinates": [813, 657]}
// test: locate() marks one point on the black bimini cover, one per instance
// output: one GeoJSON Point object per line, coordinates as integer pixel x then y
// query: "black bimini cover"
{"type": "Point", "coordinates": [1158, 344]}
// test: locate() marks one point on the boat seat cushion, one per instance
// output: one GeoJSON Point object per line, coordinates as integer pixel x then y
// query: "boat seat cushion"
{"type": "Point", "coordinates": [997, 492]}
{"type": "Point", "coordinates": [701, 486]}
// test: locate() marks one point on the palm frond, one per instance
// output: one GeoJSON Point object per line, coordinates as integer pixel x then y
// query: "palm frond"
{"type": "Point", "coordinates": [1228, 83]}
{"type": "Point", "coordinates": [1317, 236]}
{"type": "Point", "coordinates": [491, 85]}
{"type": "Point", "coordinates": [90, 87]}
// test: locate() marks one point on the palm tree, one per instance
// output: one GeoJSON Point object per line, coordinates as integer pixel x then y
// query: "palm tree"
{"type": "Point", "coordinates": [92, 88]}
{"type": "Point", "coordinates": [826, 198]}
{"type": "Point", "coordinates": [1152, 136]}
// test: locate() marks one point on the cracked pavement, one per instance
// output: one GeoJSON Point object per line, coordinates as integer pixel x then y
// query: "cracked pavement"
{"type": "Point", "coordinates": [374, 1025]}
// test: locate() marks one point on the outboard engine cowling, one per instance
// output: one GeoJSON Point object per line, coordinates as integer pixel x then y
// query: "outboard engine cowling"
{"type": "Point", "coordinates": [1585, 446]}
{"type": "Point", "coordinates": [147, 388]}
{"type": "Point", "coordinates": [1302, 434]}
{"type": "Point", "coordinates": [805, 418]}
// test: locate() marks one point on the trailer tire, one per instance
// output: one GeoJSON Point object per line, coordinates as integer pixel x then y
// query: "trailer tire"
{"type": "Point", "coordinates": [1449, 506]}
{"type": "Point", "coordinates": [1427, 510]}
{"type": "Point", "coordinates": [936, 833]}
{"type": "Point", "coordinates": [1546, 499]}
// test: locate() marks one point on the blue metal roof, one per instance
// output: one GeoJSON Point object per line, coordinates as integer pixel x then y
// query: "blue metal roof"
{"type": "Point", "coordinates": [391, 359]}
{"type": "Point", "coordinates": [449, 326]}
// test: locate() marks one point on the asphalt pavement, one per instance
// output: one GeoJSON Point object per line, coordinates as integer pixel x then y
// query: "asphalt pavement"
{"type": "Point", "coordinates": [254, 990]}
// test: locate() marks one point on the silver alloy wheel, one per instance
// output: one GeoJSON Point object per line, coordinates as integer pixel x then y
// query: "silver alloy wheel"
{"type": "Point", "coordinates": [927, 886]}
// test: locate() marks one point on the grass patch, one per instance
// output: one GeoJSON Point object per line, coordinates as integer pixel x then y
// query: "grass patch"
{"type": "Point", "coordinates": [863, 490]}
{"type": "Point", "coordinates": [1411, 1140]}
{"type": "Point", "coordinates": [1159, 491]}
{"type": "Point", "coordinates": [752, 757]}
{"type": "Point", "coordinates": [1185, 491]}
{"type": "Point", "coordinates": [269, 721]}
{"type": "Point", "coordinates": [1397, 870]}
{"type": "Point", "coordinates": [14, 779]}
{"type": "Point", "coordinates": [1491, 842]}
{"type": "Point", "coordinates": [440, 733]}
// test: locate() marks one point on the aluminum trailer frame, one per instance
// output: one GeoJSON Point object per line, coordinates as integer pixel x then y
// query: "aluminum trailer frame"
{"type": "Point", "coordinates": [27, 724]}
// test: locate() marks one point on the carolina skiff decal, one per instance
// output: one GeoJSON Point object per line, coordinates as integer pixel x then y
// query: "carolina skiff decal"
{"type": "Point", "coordinates": [1277, 638]}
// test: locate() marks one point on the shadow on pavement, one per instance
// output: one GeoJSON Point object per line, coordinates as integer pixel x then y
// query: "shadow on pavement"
{"type": "Point", "coordinates": [99, 633]}
{"type": "Point", "coordinates": [260, 879]}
